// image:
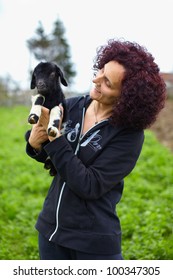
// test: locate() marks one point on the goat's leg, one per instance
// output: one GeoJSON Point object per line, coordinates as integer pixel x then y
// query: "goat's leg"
{"type": "Point", "coordinates": [48, 165]}
{"type": "Point", "coordinates": [35, 112]}
{"type": "Point", "coordinates": [55, 116]}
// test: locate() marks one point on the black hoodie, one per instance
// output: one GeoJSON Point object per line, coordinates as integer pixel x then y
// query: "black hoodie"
{"type": "Point", "coordinates": [79, 211]}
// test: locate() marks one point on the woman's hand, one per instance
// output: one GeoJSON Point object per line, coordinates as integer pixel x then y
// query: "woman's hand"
{"type": "Point", "coordinates": [44, 118]}
{"type": "Point", "coordinates": [39, 131]}
{"type": "Point", "coordinates": [38, 136]}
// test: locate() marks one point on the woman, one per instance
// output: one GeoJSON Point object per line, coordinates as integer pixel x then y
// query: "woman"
{"type": "Point", "coordinates": [101, 144]}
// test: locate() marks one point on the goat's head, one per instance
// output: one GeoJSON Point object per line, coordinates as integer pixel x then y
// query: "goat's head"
{"type": "Point", "coordinates": [46, 76]}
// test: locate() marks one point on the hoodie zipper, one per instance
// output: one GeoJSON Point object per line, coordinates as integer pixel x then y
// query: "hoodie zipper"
{"type": "Point", "coordinates": [57, 211]}
{"type": "Point", "coordinates": [62, 189]}
{"type": "Point", "coordinates": [76, 151]}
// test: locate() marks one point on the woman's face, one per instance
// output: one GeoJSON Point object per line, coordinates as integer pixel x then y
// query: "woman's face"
{"type": "Point", "coordinates": [108, 83]}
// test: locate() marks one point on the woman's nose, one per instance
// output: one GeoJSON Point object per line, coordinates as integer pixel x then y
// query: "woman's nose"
{"type": "Point", "coordinates": [96, 82]}
{"type": "Point", "coordinates": [97, 79]}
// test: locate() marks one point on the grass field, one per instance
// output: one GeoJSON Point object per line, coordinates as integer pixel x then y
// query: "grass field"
{"type": "Point", "coordinates": [146, 209]}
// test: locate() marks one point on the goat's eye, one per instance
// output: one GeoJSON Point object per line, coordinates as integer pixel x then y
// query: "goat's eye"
{"type": "Point", "coordinates": [52, 75]}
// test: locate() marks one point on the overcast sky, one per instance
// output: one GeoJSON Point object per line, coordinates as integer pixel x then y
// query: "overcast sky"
{"type": "Point", "coordinates": [88, 24]}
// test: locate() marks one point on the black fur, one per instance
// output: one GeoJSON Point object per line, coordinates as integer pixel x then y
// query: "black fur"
{"type": "Point", "coordinates": [46, 79]}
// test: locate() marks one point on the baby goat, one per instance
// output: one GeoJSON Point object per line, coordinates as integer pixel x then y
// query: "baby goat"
{"type": "Point", "coordinates": [46, 78]}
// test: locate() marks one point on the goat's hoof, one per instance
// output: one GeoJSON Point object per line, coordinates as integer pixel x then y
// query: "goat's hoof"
{"type": "Point", "coordinates": [33, 119]}
{"type": "Point", "coordinates": [52, 132]}
{"type": "Point", "coordinates": [47, 166]}
{"type": "Point", "coordinates": [52, 172]}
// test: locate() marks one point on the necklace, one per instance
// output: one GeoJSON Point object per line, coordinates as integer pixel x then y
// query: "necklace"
{"type": "Point", "coordinates": [100, 117]}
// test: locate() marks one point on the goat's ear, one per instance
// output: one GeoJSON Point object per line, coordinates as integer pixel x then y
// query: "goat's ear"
{"type": "Point", "coordinates": [63, 81]}
{"type": "Point", "coordinates": [33, 82]}
{"type": "Point", "coordinates": [60, 73]}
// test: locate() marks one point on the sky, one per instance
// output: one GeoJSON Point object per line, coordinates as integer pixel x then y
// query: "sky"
{"type": "Point", "coordinates": [88, 24]}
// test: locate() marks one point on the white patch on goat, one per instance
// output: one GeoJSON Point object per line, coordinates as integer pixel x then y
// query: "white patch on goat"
{"type": "Point", "coordinates": [35, 109]}
{"type": "Point", "coordinates": [55, 114]}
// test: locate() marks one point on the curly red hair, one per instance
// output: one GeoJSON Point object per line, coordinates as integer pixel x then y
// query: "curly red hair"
{"type": "Point", "coordinates": [143, 90]}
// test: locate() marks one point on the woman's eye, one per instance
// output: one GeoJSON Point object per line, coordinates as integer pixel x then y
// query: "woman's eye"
{"type": "Point", "coordinates": [107, 83]}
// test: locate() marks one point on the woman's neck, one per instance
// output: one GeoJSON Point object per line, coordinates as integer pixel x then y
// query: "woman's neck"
{"type": "Point", "coordinates": [101, 111]}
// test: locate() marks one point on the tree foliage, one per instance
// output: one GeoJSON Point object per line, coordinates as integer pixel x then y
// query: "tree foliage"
{"type": "Point", "coordinates": [39, 45]}
{"type": "Point", "coordinates": [53, 47]}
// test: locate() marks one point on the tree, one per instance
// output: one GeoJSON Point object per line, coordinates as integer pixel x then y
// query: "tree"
{"type": "Point", "coordinates": [61, 49]}
{"type": "Point", "coordinates": [40, 45]}
{"type": "Point", "coordinates": [53, 47]}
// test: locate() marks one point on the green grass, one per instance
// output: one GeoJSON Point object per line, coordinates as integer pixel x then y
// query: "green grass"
{"type": "Point", "coordinates": [23, 186]}
{"type": "Point", "coordinates": [145, 210]}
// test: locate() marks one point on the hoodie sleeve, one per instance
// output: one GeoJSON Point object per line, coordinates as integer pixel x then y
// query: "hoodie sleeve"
{"type": "Point", "coordinates": [31, 152]}
{"type": "Point", "coordinates": [38, 156]}
{"type": "Point", "coordinates": [114, 162]}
